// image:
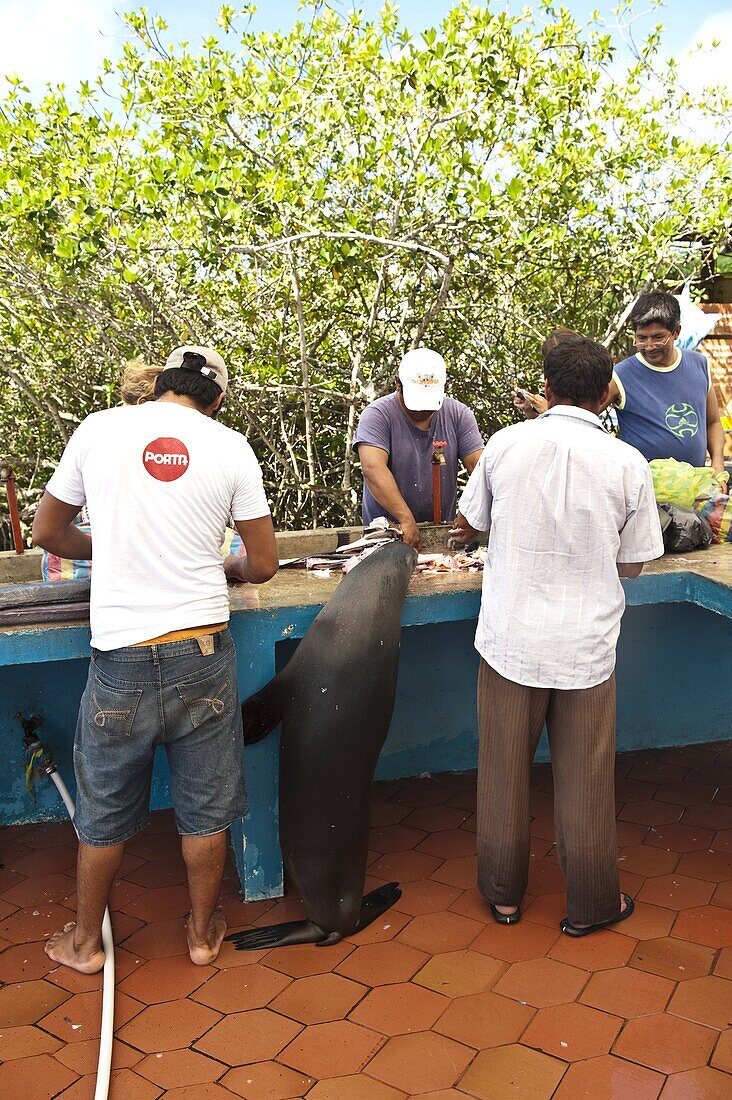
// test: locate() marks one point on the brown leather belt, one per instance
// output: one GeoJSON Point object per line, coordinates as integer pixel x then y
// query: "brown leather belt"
{"type": "Point", "coordinates": [182, 635]}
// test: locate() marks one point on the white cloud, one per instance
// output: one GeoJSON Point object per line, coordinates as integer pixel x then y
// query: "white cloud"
{"type": "Point", "coordinates": [53, 41]}
{"type": "Point", "coordinates": [701, 64]}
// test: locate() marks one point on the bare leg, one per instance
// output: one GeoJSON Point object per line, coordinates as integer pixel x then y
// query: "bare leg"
{"type": "Point", "coordinates": [79, 945]}
{"type": "Point", "coordinates": [204, 858]}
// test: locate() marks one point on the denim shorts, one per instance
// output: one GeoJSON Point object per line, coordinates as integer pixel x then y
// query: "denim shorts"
{"type": "Point", "coordinates": [170, 695]}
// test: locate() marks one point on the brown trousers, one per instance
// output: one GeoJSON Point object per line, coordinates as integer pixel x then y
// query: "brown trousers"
{"type": "Point", "coordinates": [581, 728]}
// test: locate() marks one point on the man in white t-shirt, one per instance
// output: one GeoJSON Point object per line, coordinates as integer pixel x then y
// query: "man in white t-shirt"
{"type": "Point", "coordinates": [570, 510]}
{"type": "Point", "coordinates": [160, 481]}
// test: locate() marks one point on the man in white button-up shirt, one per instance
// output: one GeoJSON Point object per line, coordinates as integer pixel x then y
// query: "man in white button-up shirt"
{"type": "Point", "coordinates": [570, 510]}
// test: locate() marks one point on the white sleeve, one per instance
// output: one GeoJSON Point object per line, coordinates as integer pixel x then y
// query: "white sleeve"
{"type": "Point", "coordinates": [641, 538]}
{"type": "Point", "coordinates": [477, 498]}
{"type": "Point", "coordinates": [67, 481]}
{"type": "Point", "coordinates": [248, 500]}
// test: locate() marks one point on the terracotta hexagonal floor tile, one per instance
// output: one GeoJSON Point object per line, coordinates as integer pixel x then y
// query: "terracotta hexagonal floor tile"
{"type": "Point", "coordinates": [319, 998]}
{"type": "Point", "coordinates": [24, 962]}
{"type": "Point", "coordinates": [24, 1042]}
{"type": "Point", "coordinates": [394, 838]}
{"type": "Point", "coordinates": [460, 973]}
{"type": "Point", "coordinates": [157, 940]}
{"type": "Point", "coordinates": [460, 872]}
{"type": "Point", "coordinates": [513, 1072]}
{"type": "Point", "coordinates": [629, 834]}
{"type": "Point", "coordinates": [653, 770]}
{"type": "Point", "coordinates": [80, 1017]}
{"type": "Point", "coordinates": [164, 903]}
{"type": "Point", "coordinates": [37, 1078]}
{"type": "Point", "coordinates": [547, 909]}
{"type": "Point", "coordinates": [572, 1031]}
{"type": "Point", "coordinates": [685, 794]}
{"type": "Point", "coordinates": [697, 1084]}
{"type": "Point", "coordinates": [166, 979]}
{"type": "Point", "coordinates": [648, 922]}
{"type": "Point", "coordinates": [722, 841]}
{"type": "Point", "coordinates": [484, 1020]}
{"type": "Point", "coordinates": [650, 812]}
{"type": "Point", "coordinates": [672, 958]}
{"type": "Point", "coordinates": [450, 844]}
{"type": "Point", "coordinates": [385, 928]}
{"type": "Point", "coordinates": [355, 1088]}
{"type": "Point", "coordinates": [307, 959]}
{"type": "Point", "coordinates": [158, 873]}
{"type": "Point", "coordinates": [436, 819]}
{"type": "Point", "coordinates": [712, 866]}
{"type": "Point", "coordinates": [175, 1068]}
{"type": "Point", "coordinates": [438, 932]}
{"type": "Point", "coordinates": [238, 990]}
{"type": "Point", "coordinates": [255, 1036]}
{"type": "Point", "coordinates": [421, 792]}
{"type": "Point", "coordinates": [46, 861]}
{"type": "Point", "coordinates": [162, 1027]}
{"type": "Point", "coordinates": [267, 1081]}
{"type": "Point", "coordinates": [41, 890]}
{"type": "Point", "coordinates": [723, 895]}
{"type": "Point", "coordinates": [680, 837]}
{"type": "Point", "coordinates": [544, 877]}
{"type": "Point", "coordinates": [388, 813]}
{"type": "Point", "coordinates": [28, 1002]}
{"type": "Point", "coordinates": [400, 1009]}
{"type": "Point", "coordinates": [197, 1092]}
{"type": "Point", "coordinates": [644, 860]}
{"type": "Point", "coordinates": [382, 963]}
{"type": "Point", "coordinates": [627, 992]}
{"type": "Point", "coordinates": [709, 924]}
{"type": "Point", "coordinates": [83, 1057]}
{"type": "Point", "coordinates": [722, 1057]}
{"type": "Point", "coordinates": [405, 866]}
{"type": "Point", "coordinates": [420, 1062]}
{"type": "Point", "coordinates": [542, 982]}
{"type": "Point", "coordinates": [710, 815]}
{"type": "Point", "coordinates": [517, 942]}
{"type": "Point", "coordinates": [603, 950]}
{"type": "Point", "coordinates": [419, 898]}
{"type": "Point", "coordinates": [705, 1001]}
{"type": "Point", "coordinates": [609, 1078]}
{"type": "Point", "coordinates": [124, 1083]}
{"type": "Point", "coordinates": [634, 790]}
{"type": "Point", "coordinates": [676, 891]}
{"type": "Point", "coordinates": [723, 965]}
{"type": "Point", "coordinates": [665, 1043]}
{"type": "Point", "coordinates": [36, 923]}
{"type": "Point", "coordinates": [331, 1050]}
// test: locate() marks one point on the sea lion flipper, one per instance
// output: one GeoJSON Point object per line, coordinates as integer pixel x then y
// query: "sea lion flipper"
{"type": "Point", "coordinates": [377, 902]}
{"type": "Point", "coordinates": [262, 712]}
{"type": "Point", "coordinates": [278, 935]}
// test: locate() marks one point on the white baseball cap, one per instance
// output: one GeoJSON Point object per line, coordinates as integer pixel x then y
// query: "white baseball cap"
{"type": "Point", "coordinates": [423, 374]}
{"type": "Point", "coordinates": [212, 367]}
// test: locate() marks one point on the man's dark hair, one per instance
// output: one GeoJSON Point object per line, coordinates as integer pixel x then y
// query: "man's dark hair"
{"type": "Point", "coordinates": [186, 381]}
{"type": "Point", "coordinates": [578, 370]}
{"type": "Point", "coordinates": [656, 308]}
{"type": "Point", "coordinates": [555, 338]}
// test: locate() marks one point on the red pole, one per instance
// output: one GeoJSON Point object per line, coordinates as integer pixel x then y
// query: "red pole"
{"type": "Point", "coordinates": [6, 475]}
{"type": "Point", "coordinates": [438, 461]}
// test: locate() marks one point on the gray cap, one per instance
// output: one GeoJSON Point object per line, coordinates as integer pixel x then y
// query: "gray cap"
{"type": "Point", "coordinates": [214, 367]}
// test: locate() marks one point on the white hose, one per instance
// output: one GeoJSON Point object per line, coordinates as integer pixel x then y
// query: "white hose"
{"type": "Point", "coordinates": [104, 1064]}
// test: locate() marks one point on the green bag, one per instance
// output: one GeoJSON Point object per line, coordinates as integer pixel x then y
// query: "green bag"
{"type": "Point", "coordinates": [681, 483]}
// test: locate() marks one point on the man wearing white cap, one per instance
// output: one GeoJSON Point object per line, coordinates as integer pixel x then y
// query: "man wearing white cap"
{"type": "Point", "coordinates": [160, 481]}
{"type": "Point", "coordinates": [397, 436]}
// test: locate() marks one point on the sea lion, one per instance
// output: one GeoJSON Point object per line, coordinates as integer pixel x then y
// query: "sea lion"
{"type": "Point", "coordinates": [335, 700]}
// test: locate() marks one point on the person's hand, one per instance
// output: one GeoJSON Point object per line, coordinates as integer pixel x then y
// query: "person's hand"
{"type": "Point", "coordinates": [530, 404]}
{"type": "Point", "coordinates": [411, 533]}
{"type": "Point", "coordinates": [461, 533]}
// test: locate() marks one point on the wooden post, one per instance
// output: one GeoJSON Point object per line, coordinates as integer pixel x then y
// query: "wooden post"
{"type": "Point", "coordinates": [6, 475]}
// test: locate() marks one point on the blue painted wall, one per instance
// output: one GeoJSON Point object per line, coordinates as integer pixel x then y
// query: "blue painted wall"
{"type": "Point", "coordinates": [673, 661]}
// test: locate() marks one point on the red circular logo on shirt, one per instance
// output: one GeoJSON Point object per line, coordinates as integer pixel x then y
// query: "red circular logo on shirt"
{"type": "Point", "coordinates": [166, 459]}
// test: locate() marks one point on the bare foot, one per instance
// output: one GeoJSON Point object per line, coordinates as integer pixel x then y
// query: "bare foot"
{"type": "Point", "coordinates": [203, 951]}
{"type": "Point", "coordinates": [61, 948]}
{"type": "Point", "coordinates": [506, 910]}
{"type": "Point", "coordinates": [623, 907]}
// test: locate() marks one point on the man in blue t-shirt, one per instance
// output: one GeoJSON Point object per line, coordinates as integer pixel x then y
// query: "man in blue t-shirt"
{"type": "Point", "coordinates": [665, 400]}
{"type": "Point", "coordinates": [396, 437]}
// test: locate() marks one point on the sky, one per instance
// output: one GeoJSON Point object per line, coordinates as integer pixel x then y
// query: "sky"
{"type": "Point", "coordinates": [66, 40]}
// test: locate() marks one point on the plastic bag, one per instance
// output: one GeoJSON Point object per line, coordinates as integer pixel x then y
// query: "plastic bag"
{"type": "Point", "coordinates": [686, 531]}
{"type": "Point", "coordinates": [695, 323]}
{"type": "Point", "coordinates": [680, 483]}
{"type": "Point", "coordinates": [718, 511]}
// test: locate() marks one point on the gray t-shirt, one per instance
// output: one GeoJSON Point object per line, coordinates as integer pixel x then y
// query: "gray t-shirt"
{"type": "Point", "coordinates": [383, 424]}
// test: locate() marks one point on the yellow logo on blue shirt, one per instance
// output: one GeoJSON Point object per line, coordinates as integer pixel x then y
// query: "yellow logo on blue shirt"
{"type": "Point", "coordinates": [682, 420]}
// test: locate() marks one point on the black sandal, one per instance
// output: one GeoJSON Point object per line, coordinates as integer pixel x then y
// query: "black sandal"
{"type": "Point", "coordinates": [505, 918]}
{"type": "Point", "coordinates": [573, 930]}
